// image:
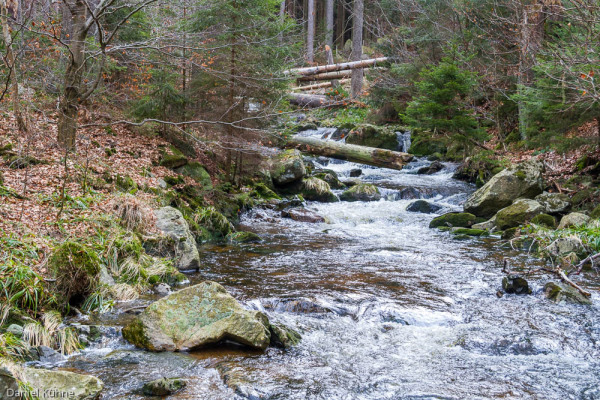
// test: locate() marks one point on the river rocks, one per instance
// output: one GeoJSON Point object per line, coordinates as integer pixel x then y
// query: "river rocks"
{"type": "Point", "coordinates": [520, 181]}
{"type": "Point", "coordinates": [565, 245]}
{"type": "Point", "coordinates": [284, 337]}
{"type": "Point", "coordinates": [488, 225]}
{"type": "Point", "coordinates": [197, 316]}
{"type": "Point", "coordinates": [408, 193]}
{"type": "Point", "coordinates": [454, 219]}
{"type": "Point", "coordinates": [49, 384]}
{"type": "Point", "coordinates": [545, 220]}
{"type": "Point", "coordinates": [237, 380]}
{"type": "Point", "coordinates": [469, 232]}
{"type": "Point", "coordinates": [361, 192]}
{"type": "Point", "coordinates": [173, 159]}
{"type": "Point", "coordinates": [374, 136]}
{"type": "Point", "coordinates": [163, 386]}
{"type": "Point", "coordinates": [554, 203]}
{"type": "Point", "coordinates": [302, 215]}
{"type": "Point", "coordinates": [162, 289]}
{"type": "Point", "coordinates": [182, 245]}
{"type": "Point", "coordinates": [330, 177]}
{"type": "Point", "coordinates": [16, 330]}
{"type": "Point", "coordinates": [422, 206]}
{"type": "Point", "coordinates": [573, 220]}
{"type": "Point", "coordinates": [243, 237]}
{"type": "Point", "coordinates": [521, 211]}
{"type": "Point", "coordinates": [355, 173]}
{"type": "Point", "coordinates": [562, 293]}
{"type": "Point", "coordinates": [515, 284]}
{"type": "Point", "coordinates": [315, 189]}
{"type": "Point", "coordinates": [435, 167]}
{"type": "Point", "coordinates": [287, 167]}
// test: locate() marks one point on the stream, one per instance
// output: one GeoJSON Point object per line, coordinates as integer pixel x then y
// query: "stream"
{"type": "Point", "coordinates": [387, 309]}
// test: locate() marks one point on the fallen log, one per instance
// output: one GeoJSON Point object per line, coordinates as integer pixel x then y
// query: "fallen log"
{"type": "Point", "coordinates": [321, 85]}
{"type": "Point", "coordinates": [336, 67]}
{"type": "Point", "coordinates": [351, 152]}
{"type": "Point", "coordinates": [314, 101]}
{"type": "Point", "coordinates": [327, 76]}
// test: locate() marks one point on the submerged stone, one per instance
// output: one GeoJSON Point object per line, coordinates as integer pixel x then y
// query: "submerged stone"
{"type": "Point", "coordinates": [515, 284]}
{"type": "Point", "coordinates": [454, 219]}
{"type": "Point", "coordinates": [163, 386]}
{"type": "Point", "coordinates": [562, 293]}
{"type": "Point", "coordinates": [361, 192]}
{"type": "Point", "coordinates": [422, 206]}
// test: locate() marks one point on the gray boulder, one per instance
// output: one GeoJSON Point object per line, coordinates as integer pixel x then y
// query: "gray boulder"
{"type": "Point", "coordinates": [287, 167]}
{"type": "Point", "coordinates": [422, 206]}
{"type": "Point", "coordinates": [573, 220]}
{"type": "Point", "coordinates": [163, 386]}
{"type": "Point", "coordinates": [361, 192]}
{"type": "Point", "coordinates": [554, 203]}
{"type": "Point", "coordinates": [181, 245]}
{"type": "Point", "coordinates": [197, 316]}
{"type": "Point", "coordinates": [564, 246]}
{"type": "Point", "coordinates": [558, 293]}
{"type": "Point", "coordinates": [520, 181]}
{"type": "Point", "coordinates": [518, 213]}
{"type": "Point", "coordinates": [515, 284]}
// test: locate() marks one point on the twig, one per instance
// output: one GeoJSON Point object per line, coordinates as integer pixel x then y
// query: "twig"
{"type": "Point", "coordinates": [579, 267]}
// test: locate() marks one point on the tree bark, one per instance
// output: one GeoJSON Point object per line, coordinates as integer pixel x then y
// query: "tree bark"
{"type": "Point", "coordinates": [11, 62]}
{"type": "Point", "coordinates": [313, 100]}
{"type": "Point", "coordinates": [329, 23]}
{"type": "Point", "coordinates": [321, 85]}
{"type": "Point", "coordinates": [327, 76]}
{"type": "Point", "coordinates": [350, 152]}
{"type": "Point", "coordinates": [69, 103]}
{"type": "Point", "coordinates": [357, 39]}
{"type": "Point", "coordinates": [310, 32]}
{"type": "Point", "coordinates": [336, 67]}
{"type": "Point", "coordinates": [281, 19]}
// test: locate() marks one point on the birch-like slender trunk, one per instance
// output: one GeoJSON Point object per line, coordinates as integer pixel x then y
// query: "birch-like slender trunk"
{"type": "Point", "coordinates": [310, 32]}
{"type": "Point", "coordinates": [11, 62]}
{"type": "Point", "coordinates": [357, 39]}
{"type": "Point", "coordinates": [329, 23]}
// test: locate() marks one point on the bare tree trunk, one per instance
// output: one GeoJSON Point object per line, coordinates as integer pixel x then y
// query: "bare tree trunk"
{"type": "Point", "coordinates": [281, 19]}
{"type": "Point", "coordinates": [69, 103]}
{"type": "Point", "coordinates": [12, 65]}
{"type": "Point", "coordinates": [310, 32]}
{"type": "Point", "coordinates": [357, 38]}
{"type": "Point", "coordinates": [329, 24]}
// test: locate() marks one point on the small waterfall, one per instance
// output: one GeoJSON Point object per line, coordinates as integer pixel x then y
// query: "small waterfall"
{"type": "Point", "coordinates": [404, 141]}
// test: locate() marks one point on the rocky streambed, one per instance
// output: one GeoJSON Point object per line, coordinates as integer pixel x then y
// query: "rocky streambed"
{"type": "Point", "coordinates": [386, 307]}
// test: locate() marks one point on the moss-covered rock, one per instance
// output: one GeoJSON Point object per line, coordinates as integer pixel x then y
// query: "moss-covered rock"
{"type": "Point", "coordinates": [520, 181]}
{"type": "Point", "coordinates": [173, 158]}
{"type": "Point", "coordinates": [263, 192]}
{"type": "Point", "coordinates": [315, 189]}
{"type": "Point", "coordinates": [558, 292]}
{"type": "Point", "coordinates": [282, 336]}
{"type": "Point", "coordinates": [470, 232]}
{"type": "Point", "coordinates": [595, 214]}
{"type": "Point", "coordinates": [545, 220]}
{"type": "Point", "coordinates": [518, 213]}
{"type": "Point", "coordinates": [177, 241]}
{"type": "Point", "coordinates": [330, 177]}
{"type": "Point", "coordinates": [287, 167]}
{"type": "Point", "coordinates": [425, 144]}
{"type": "Point", "coordinates": [126, 184]}
{"type": "Point", "coordinates": [374, 136]}
{"type": "Point", "coordinates": [515, 284]}
{"type": "Point", "coordinates": [509, 233]}
{"type": "Point", "coordinates": [243, 237]}
{"type": "Point", "coordinates": [361, 192]}
{"type": "Point", "coordinates": [215, 223]}
{"type": "Point", "coordinates": [554, 203]}
{"type": "Point", "coordinates": [454, 219]}
{"type": "Point", "coordinates": [16, 161]}
{"type": "Point", "coordinates": [76, 269]}
{"type": "Point", "coordinates": [44, 381]}
{"type": "Point", "coordinates": [197, 316]}
{"type": "Point", "coordinates": [573, 220]}
{"type": "Point", "coordinates": [197, 172]}
{"type": "Point", "coordinates": [163, 386]}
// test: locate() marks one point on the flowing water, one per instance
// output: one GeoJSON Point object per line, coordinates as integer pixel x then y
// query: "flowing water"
{"type": "Point", "coordinates": [387, 309]}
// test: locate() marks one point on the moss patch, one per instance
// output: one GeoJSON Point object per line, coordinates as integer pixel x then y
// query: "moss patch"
{"type": "Point", "coordinates": [458, 220]}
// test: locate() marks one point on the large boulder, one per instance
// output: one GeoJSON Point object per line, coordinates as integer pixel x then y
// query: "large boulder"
{"type": "Point", "coordinates": [554, 203]}
{"type": "Point", "coordinates": [195, 317]}
{"type": "Point", "coordinates": [573, 220]}
{"type": "Point", "coordinates": [49, 384]}
{"type": "Point", "coordinates": [565, 245]}
{"type": "Point", "coordinates": [520, 181]}
{"type": "Point", "coordinates": [361, 192]}
{"type": "Point", "coordinates": [287, 167]}
{"type": "Point", "coordinates": [180, 242]}
{"type": "Point", "coordinates": [197, 172]}
{"type": "Point", "coordinates": [435, 167]}
{"type": "Point", "coordinates": [316, 189]}
{"type": "Point", "coordinates": [518, 213]}
{"type": "Point", "coordinates": [374, 136]}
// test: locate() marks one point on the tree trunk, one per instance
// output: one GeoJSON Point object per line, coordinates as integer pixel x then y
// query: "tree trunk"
{"type": "Point", "coordinates": [357, 39]}
{"type": "Point", "coordinates": [329, 23]}
{"type": "Point", "coordinates": [322, 85]}
{"type": "Point", "coordinates": [281, 19]}
{"type": "Point", "coordinates": [310, 32]}
{"type": "Point", "coordinates": [69, 103]}
{"type": "Point", "coordinates": [313, 100]}
{"type": "Point", "coordinates": [336, 67]}
{"type": "Point", "coordinates": [11, 64]}
{"type": "Point", "coordinates": [350, 152]}
{"type": "Point", "coordinates": [327, 76]}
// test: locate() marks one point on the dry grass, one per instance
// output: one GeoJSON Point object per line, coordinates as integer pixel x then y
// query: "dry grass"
{"type": "Point", "coordinates": [49, 333]}
{"type": "Point", "coordinates": [134, 215]}
{"type": "Point", "coordinates": [124, 292]}
{"type": "Point", "coordinates": [317, 185]}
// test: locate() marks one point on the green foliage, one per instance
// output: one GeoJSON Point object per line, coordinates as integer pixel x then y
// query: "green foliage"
{"type": "Point", "coordinates": [215, 222]}
{"type": "Point", "coordinates": [442, 103]}
{"type": "Point", "coordinates": [163, 99]}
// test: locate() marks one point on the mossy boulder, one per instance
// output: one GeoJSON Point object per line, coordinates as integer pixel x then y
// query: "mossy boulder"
{"type": "Point", "coordinates": [173, 158]}
{"type": "Point", "coordinates": [263, 192]}
{"type": "Point", "coordinates": [76, 270]}
{"type": "Point", "coordinates": [282, 336]}
{"type": "Point", "coordinates": [330, 177]}
{"type": "Point", "coordinates": [315, 189]}
{"type": "Point", "coordinates": [565, 245]}
{"type": "Point", "coordinates": [361, 192]}
{"type": "Point", "coordinates": [454, 219]}
{"type": "Point", "coordinates": [243, 237]}
{"type": "Point", "coordinates": [425, 144]}
{"type": "Point", "coordinates": [470, 232]}
{"type": "Point", "coordinates": [558, 293]}
{"type": "Point", "coordinates": [126, 184]}
{"type": "Point", "coordinates": [287, 167]}
{"type": "Point", "coordinates": [520, 181]}
{"type": "Point", "coordinates": [573, 220]}
{"type": "Point", "coordinates": [554, 203]}
{"type": "Point", "coordinates": [595, 214]}
{"type": "Point", "coordinates": [163, 386]}
{"type": "Point", "coordinates": [195, 317]}
{"type": "Point", "coordinates": [422, 206]}
{"type": "Point", "coordinates": [518, 213]}
{"type": "Point", "coordinates": [197, 172]}
{"type": "Point", "coordinates": [374, 136]}
{"type": "Point", "coordinates": [179, 242]}
{"type": "Point", "coordinates": [545, 220]}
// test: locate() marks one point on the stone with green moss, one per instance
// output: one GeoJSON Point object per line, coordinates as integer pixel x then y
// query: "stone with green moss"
{"type": "Point", "coordinates": [197, 316]}
{"type": "Point", "coordinates": [282, 336]}
{"type": "Point", "coordinates": [243, 237]}
{"type": "Point", "coordinates": [595, 214]}
{"type": "Point", "coordinates": [263, 192]}
{"type": "Point", "coordinates": [454, 219]}
{"type": "Point", "coordinates": [173, 158]}
{"type": "Point", "coordinates": [315, 189]}
{"type": "Point", "coordinates": [558, 292]}
{"type": "Point", "coordinates": [425, 144]}
{"type": "Point", "coordinates": [330, 177]}
{"type": "Point", "coordinates": [470, 232]}
{"type": "Point", "coordinates": [197, 172]}
{"type": "Point", "coordinates": [174, 180]}
{"type": "Point", "coordinates": [573, 220]}
{"type": "Point", "coordinates": [545, 220]}
{"type": "Point", "coordinates": [177, 240]}
{"type": "Point", "coordinates": [554, 203]}
{"type": "Point", "coordinates": [373, 136]}
{"type": "Point", "coordinates": [287, 167]}
{"type": "Point", "coordinates": [361, 192]}
{"type": "Point", "coordinates": [126, 184]}
{"type": "Point", "coordinates": [518, 213]}
{"type": "Point", "coordinates": [509, 233]}
{"type": "Point", "coordinates": [76, 269]}
{"type": "Point", "coordinates": [163, 386]}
